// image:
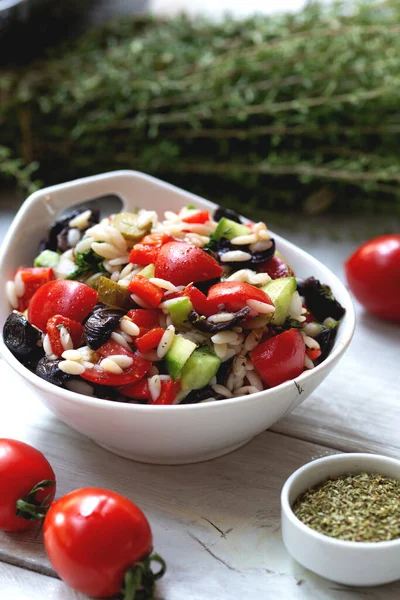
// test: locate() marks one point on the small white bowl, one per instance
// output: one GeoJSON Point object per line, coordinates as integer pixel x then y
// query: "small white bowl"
{"type": "Point", "coordinates": [159, 434]}
{"type": "Point", "coordinates": [348, 563]}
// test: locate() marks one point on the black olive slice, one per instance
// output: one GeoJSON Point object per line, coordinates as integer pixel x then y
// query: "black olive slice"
{"type": "Point", "coordinates": [20, 337]}
{"type": "Point", "coordinates": [100, 325]}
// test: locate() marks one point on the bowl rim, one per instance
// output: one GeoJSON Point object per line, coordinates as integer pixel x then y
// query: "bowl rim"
{"type": "Point", "coordinates": [346, 330]}
{"type": "Point", "coordinates": [305, 530]}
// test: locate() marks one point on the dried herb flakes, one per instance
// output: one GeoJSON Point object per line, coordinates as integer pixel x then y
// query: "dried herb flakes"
{"type": "Point", "coordinates": [357, 508]}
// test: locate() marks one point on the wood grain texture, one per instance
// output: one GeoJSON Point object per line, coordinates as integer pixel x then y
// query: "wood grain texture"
{"type": "Point", "coordinates": [217, 523]}
{"type": "Point", "coordinates": [19, 584]}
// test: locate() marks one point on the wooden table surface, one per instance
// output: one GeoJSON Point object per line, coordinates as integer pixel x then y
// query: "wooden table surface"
{"type": "Point", "coordinates": [217, 523]}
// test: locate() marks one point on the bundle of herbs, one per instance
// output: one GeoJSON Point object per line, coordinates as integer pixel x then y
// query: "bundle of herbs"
{"type": "Point", "coordinates": [294, 112]}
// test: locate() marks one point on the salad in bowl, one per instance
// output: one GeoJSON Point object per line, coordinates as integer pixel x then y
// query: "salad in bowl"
{"type": "Point", "coordinates": [172, 331]}
{"type": "Point", "coordinates": [189, 307]}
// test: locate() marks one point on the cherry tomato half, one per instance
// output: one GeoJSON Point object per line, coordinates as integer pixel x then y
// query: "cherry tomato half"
{"type": "Point", "coordinates": [64, 297]}
{"type": "Point", "coordinates": [138, 369]}
{"type": "Point", "coordinates": [22, 467]}
{"type": "Point", "coordinates": [93, 536]}
{"type": "Point", "coordinates": [280, 358]}
{"type": "Point", "coordinates": [181, 263]}
{"type": "Point", "coordinates": [373, 275]}
{"type": "Point", "coordinates": [234, 295]}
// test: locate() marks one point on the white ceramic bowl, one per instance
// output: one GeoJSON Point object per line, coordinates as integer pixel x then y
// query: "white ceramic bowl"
{"type": "Point", "coordinates": [159, 434]}
{"type": "Point", "coordinates": [349, 563]}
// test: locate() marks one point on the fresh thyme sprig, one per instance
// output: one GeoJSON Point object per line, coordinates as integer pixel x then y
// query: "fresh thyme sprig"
{"type": "Point", "coordinates": [294, 112]}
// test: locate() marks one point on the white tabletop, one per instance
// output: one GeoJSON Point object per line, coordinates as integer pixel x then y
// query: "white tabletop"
{"type": "Point", "coordinates": [218, 523]}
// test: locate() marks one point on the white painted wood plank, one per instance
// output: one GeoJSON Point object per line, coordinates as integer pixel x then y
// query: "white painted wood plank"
{"type": "Point", "coordinates": [19, 584]}
{"type": "Point", "coordinates": [216, 523]}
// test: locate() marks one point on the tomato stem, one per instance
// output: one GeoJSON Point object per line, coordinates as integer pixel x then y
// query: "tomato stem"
{"type": "Point", "coordinates": [29, 507]}
{"type": "Point", "coordinates": [139, 581]}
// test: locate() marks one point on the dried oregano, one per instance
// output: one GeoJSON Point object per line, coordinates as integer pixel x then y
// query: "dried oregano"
{"type": "Point", "coordinates": [356, 508]}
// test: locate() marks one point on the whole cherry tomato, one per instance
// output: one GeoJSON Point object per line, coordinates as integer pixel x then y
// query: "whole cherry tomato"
{"type": "Point", "coordinates": [64, 297]}
{"type": "Point", "coordinates": [280, 358]}
{"type": "Point", "coordinates": [373, 275]}
{"type": "Point", "coordinates": [182, 263]}
{"type": "Point", "coordinates": [94, 537]}
{"type": "Point", "coordinates": [27, 485]}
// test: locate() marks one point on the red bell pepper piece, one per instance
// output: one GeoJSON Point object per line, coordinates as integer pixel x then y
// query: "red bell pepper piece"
{"type": "Point", "coordinates": [138, 391]}
{"type": "Point", "coordinates": [53, 328]}
{"type": "Point", "coordinates": [169, 390]}
{"type": "Point", "coordinates": [144, 318]}
{"type": "Point", "coordinates": [147, 291]}
{"type": "Point", "coordinates": [313, 353]}
{"type": "Point", "coordinates": [198, 300]}
{"type": "Point", "coordinates": [33, 278]}
{"type": "Point", "coordinates": [149, 340]}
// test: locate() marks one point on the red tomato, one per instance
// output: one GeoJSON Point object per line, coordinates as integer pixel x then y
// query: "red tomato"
{"type": "Point", "coordinates": [198, 300]}
{"type": "Point", "coordinates": [22, 467]}
{"type": "Point", "coordinates": [373, 275]}
{"type": "Point", "coordinates": [146, 252]}
{"type": "Point", "coordinates": [201, 216]}
{"type": "Point", "coordinates": [143, 255]}
{"type": "Point", "coordinates": [70, 299]}
{"type": "Point", "coordinates": [74, 328]}
{"type": "Point", "coordinates": [111, 347]}
{"type": "Point", "coordinates": [147, 291]}
{"type": "Point", "coordinates": [280, 358]}
{"type": "Point", "coordinates": [93, 536]}
{"type": "Point", "coordinates": [149, 340]}
{"type": "Point", "coordinates": [276, 268]}
{"type": "Point", "coordinates": [234, 294]}
{"type": "Point", "coordinates": [136, 371]}
{"type": "Point", "coordinates": [181, 263]}
{"type": "Point", "coordinates": [156, 239]}
{"type": "Point", "coordinates": [33, 278]}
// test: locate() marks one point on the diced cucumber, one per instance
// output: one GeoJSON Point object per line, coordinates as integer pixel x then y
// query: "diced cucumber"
{"type": "Point", "coordinates": [148, 271]}
{"type": "Point", "coordinates": [179, 312]}
{"type": "Point", "coordinates": [47, 258]}
{"type": "Point", "coordinates": [229, 229]}
{"type": "Point", "coordinates": [178, 354]}
{"type": "Point", "coordinates": [199, 369]}
{"type": "Point", "coordinates": [113, 294]}
{"type": "Point", "coordinates": [280, 291]}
